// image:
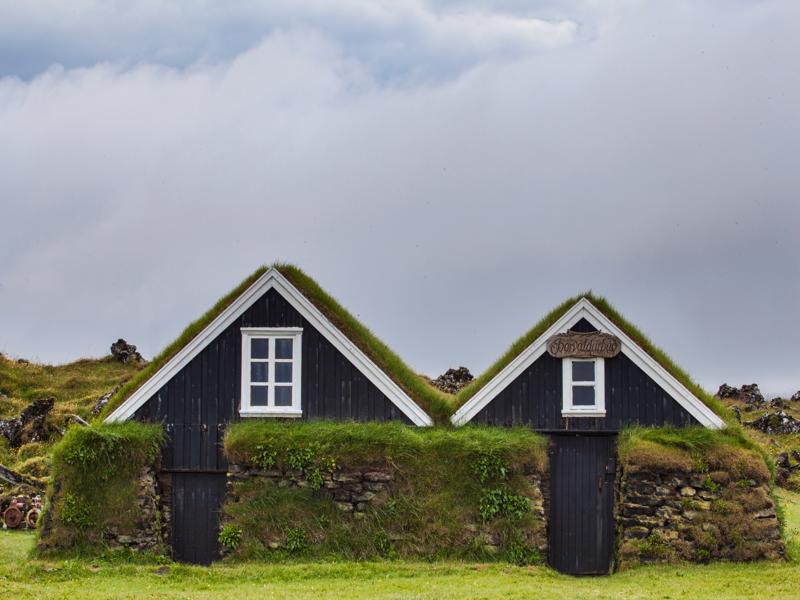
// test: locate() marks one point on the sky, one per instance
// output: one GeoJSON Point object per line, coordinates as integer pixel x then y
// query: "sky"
{"type": "Point", "coordinates": [450, 171]}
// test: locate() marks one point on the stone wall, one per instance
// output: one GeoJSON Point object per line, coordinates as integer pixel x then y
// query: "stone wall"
{"type": "Point", "coordinates": [148, 531]}
{"type": "Point", "coordinates": [355, 491]}
{"type": "Point", "coordinates": [664, 516]}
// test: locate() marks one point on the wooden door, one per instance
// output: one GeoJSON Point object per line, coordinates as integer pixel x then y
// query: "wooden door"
{"type": "Point", "coordinates": [582, 529]}
{"type": "Point", "coordinates": [196, 502]}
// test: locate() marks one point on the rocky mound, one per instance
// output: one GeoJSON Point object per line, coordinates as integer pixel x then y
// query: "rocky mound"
{"type": "Point", "coordinates": [452, 380]}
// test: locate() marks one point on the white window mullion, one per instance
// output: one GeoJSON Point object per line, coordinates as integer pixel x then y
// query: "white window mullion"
{"type": "Point", "coordinates": [271, 335]}
{"type": "Point", "coordinates": [271, 374]}
{"type": "Point", "coordinates": [569, 409]}
{"type": "Point", "coordinates": [297, 354]}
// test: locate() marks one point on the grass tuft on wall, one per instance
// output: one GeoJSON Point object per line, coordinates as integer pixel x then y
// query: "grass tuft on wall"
{"type": "Point", "coordinates": [94, 483]}
{"type": "Point", "coordinates": [446, 481]}
{"type": "Point", "coordinates": [692, 449]}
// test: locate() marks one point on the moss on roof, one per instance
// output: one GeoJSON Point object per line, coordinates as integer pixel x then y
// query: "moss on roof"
{"type": "Point", "coordinates": [430, 399]}
{"type": "Point", "coordinates": [615, 317]}
{"type": "Point", "coordinates": [439, 405]}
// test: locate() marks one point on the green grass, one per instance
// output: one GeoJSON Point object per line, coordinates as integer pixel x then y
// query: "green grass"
{"type": "Point", "coordinates": [693, 449]}
{"type": "Point", "coordinates": [774, 444]}
{"type": "Point", "coordinates": [436, 403]}
{"type": "Point", "coordinates": [76, 387]}
{"type": "Point", "coordinates": [445, 479]}
{"type": "Point", "coordinates": [184, 338]}
{"type": "Point", "coordinates": [366, 442]}
{"type": "Point", "coordinates": [24, 578]}
{"type": "Point", "coordinates": [616, 317]}
{"type": "Point", "coordinates": [95, 473]}
{"type": "Point", "coordinates": [790, 504]}
{"type": "Point", "coordinates": [432, 400]}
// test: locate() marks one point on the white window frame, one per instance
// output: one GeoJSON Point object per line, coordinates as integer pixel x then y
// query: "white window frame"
{"type": "Point", "coordinates": [599, 385]}
{"type": "Point", "coordinates": [272, 333]}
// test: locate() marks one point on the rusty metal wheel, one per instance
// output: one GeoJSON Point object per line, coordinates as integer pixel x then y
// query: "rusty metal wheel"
{"type": "Point", "coordinates": [32, 518]}
{"type": "Point", "coordinates": [12, 517]}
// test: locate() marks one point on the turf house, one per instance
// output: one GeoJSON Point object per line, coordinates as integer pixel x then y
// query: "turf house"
{"type": "Point", "coordinates": [278, 426]}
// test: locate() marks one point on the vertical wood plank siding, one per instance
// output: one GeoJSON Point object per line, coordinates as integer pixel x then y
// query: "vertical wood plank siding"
{"type": "Point", "coordinates": [582, 530]}
{"type": "Point", "coordinates": [203, 397]}
{"type": "Point", "coordinates": [534, 398]}
{"type": "Point", "coordinates": [196, 501]}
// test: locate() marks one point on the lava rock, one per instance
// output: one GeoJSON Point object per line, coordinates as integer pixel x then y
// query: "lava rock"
{"type": "Point", "coordinates": [452, 380]}
{"type": "Point", "coordinates": [795, 397]}
{"type": "Point", "coordinates": [103, 400]}
{"type": "Point", "coordinates": [751, 394]}
{"type": "Point", "coordinates": [776, 422]}
{"type": "Point", "coordinates": [782, 460]}
{"type": "Point", "coordinates": [30, 426]}
{"type": "Point", "coordinates": [727, 391]}
{"type": "Point", "coordinates": [125, 352]}
{"type": "Point", "coordinates": [748, 393]}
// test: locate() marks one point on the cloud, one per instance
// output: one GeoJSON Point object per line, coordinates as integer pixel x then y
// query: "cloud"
{"type": "Point", "coordinates": [396, 40]}
{"type": "Point", "coordinates": [652, 161]}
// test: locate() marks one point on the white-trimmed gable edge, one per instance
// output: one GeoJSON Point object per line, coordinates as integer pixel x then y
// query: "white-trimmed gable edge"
{"type": "Point", "coordinates": [584, 309]}
{"type": "Point", "coordinates": [272, 279]}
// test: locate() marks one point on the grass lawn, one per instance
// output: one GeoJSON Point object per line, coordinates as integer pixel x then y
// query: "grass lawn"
{"type": "Point", "coordinates": [21, 577]}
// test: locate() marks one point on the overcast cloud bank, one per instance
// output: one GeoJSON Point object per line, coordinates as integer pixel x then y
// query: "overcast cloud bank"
{"type": "Point", "coordinates": [448, 174]}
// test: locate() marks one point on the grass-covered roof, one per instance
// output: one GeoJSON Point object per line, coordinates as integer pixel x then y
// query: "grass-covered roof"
{"type": "Point", "coordinates": [430, 399]}
{"type": "Point", "coordinates": [439, 405]}
{"type": "Point", "coordinates": [615, 317]}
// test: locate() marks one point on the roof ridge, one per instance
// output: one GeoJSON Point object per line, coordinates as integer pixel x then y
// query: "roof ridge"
{"type": "Point", "coordinates": [422, 394]}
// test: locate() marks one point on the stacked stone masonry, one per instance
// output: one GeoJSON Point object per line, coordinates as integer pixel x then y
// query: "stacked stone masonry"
{"type": "Point", "coordinates": [354, 491]}
{"type": "Point", "coordinates": [149, 531]}
{"type": "Point", "coordinates": [695, 517]}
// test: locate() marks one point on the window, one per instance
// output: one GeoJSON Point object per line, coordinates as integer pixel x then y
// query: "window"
{"type": "Point", "coordinates": [271, 371]}
{"type": "Point", "coordinates": [584, 387]}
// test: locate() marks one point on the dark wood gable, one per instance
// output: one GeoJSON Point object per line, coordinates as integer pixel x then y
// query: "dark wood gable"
{"type": "Point", "coordinates": [198, 402]}
{"type": "Point", "coordinates": [632, 398]}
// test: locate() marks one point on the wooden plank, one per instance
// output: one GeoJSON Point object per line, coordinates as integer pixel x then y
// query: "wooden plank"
{"type": "Point", "coordinates": [581, 509]}
{"type": "Point", "coordinates": [207, 393]}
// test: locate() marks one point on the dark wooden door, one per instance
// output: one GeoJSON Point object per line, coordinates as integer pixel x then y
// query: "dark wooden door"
{"type": "Point", "coordinates": [196, 502]}
{"type": "Point", "coordinates": [582, 470]}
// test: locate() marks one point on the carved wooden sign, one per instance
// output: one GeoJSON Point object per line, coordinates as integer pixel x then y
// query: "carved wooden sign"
{"type": "Point", "coordinates": [593, 344]}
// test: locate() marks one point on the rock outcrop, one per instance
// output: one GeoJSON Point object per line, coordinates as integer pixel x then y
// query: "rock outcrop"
{"type": "Point", "coordinates": [452, 380]}
{"type": "Point", "coordinates": [30, 426]}
{"type": "Point", "coordinates": [776, 422]}
{"type": "Point", "coordinates": [125, 352]}
{"type": "Point", "coordinates": [748, 393]}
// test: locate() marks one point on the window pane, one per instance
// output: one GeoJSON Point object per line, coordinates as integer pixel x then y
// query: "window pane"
{"type": "Point", "coordinates": [258, 395]}
{"type": "Point", "coordinates": [283, 348]}
{"type": "Point", "coordinates": [259, 348]}
{"type": "Point", "coordinates": [283, 395]}
{"type": "Point", "coordinates": [258, 372]}
{"type": "Point", "coordinates": [283, 372]}
{"type": "Point", "coordinates": [582, 370]}
{"type": "Point", "coordinates": [582, 395]}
